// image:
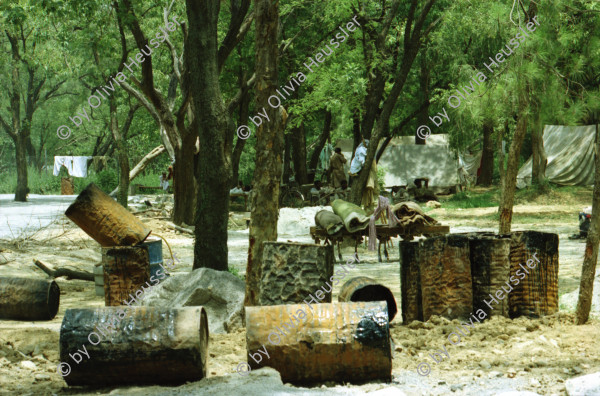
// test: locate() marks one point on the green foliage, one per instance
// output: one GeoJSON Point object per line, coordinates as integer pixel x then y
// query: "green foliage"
{"type": "Point", "coordinates": [235, 272]}
{"type": "Point", "coordinates": [107, 179]}
{"type": "Point", "coordinates": [79, 42]}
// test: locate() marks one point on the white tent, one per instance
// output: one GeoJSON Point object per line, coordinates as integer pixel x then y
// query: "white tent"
{"type": "Point", "coordinates": [570, 152]}
{"type": "Point", "coordinates": [405, 161]}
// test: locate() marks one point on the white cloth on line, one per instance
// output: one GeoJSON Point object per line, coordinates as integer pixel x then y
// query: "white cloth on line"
{"type": "Point", "coordinates": [80, 166]}
{"type": "Point", "coordinates": [65, 161]}
{"type": "Point", "coordinates": [76, 166]}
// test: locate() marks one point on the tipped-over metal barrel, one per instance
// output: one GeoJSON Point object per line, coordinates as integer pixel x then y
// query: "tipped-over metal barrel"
{"type": "Point", "coordinates": [321, 342]}
{"type": "Point", "coordinates": [28, 299]}
{"type": "Point", "coordinates": [362, 288]}
{"type": "Point", "coordinates": [137, 345]}
{"type": "Point", "coordinates": [103, 219]}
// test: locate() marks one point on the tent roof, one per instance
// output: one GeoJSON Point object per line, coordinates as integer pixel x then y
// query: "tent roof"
{"type": "Point", "coordinates": [570, 153]}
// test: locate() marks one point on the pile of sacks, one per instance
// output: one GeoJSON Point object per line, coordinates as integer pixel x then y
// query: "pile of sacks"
{"type": "Point", "coordinates": [353, 218]}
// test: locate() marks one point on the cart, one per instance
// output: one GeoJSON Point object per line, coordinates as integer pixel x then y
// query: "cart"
{"type": "Point", "coordinates": [384, 234]}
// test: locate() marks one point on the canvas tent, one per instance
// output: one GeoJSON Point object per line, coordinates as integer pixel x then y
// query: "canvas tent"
{"type": "Point", "coordinates": [570, 152]}
{"type": "Point", "coordinates": [405, 161]}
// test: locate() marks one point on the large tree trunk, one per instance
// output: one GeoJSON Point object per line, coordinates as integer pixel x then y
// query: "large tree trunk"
{"type": "Point", "coordinates": [298, 140]}
{"type": "Point", "coordinates": [588, 269]}
{"type": "Point", "coordinates": [356, 136]}
{"type": "Point", "coordinates": [122, 155]}
{"type": "Point", "coordinates": [323, 138]}
{"type": "Point", "coordinates": [487, 156]}
{"type": "Point", "coordinates": [412, 44]}
{"type": "Point", "coordinates": [538, 158]}
{"type": "Point", "coordinates": [269, 146]}
{"type": "Point", "coordinates": [21, 161]}
{"type": "Point", "coordinates": [216, 136]}
{"type": "Point", "coordinates": [240, 143]}
{"type": "Point", "coordinates": [512, 166]}
{"type": "Point", "coordinates": [185, 186]}
{"type": "Point", "coordinates": [499, 139]}
{"type": "Point", "coordinates": [287, 157]}
{"type": "Point", "coordinates": [423, 118]}
{"type": "Point", "coordinates": [243, 117]}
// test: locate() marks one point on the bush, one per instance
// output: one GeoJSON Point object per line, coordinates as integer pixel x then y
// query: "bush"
{"type": "Point", "coordinates": [107, 180]}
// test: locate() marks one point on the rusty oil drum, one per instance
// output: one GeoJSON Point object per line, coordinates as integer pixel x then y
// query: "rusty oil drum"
{"type": "Point", "coordinates": [342, 342]}
{"type": "Point", "coordinates": [134, 345]}
{"type": "Point", "coordinates": [103, 219]}
{"type": "Point", "coordinates": [362, 288]}
{"type": "Point", "coordinates": [28, 299]}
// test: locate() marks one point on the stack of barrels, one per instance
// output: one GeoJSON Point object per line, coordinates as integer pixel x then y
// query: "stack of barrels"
{"type": "Point", "coordinates": [125, 258]}
{"type": "Point", "coordinates": [128, 345]}
{"type": "Point", "coordinates": [454, 275]}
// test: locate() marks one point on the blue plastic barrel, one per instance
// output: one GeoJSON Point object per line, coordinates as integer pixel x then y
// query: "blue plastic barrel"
{"type": "Point", "coordinates": [156, 255]}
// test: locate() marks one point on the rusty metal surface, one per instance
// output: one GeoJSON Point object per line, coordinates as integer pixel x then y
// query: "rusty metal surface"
{"type": "Point", "coordinates": [291, 271]}
{"type": "Point", "coordinates": [363, 288]}
{"type": "Point", "coordinates": [331, 342]}
{"type": "Point", "coordinates": [28, 299]}
{"type": "Point", "coordinates": [410, 282]}
{"type": "Point", "coordinates": [147, 345]}
{"type": "Point", "coordinates": [537, 294]}
{"type": "Point", "coordinates": [490, 270]}
{"type": "Point", "coordinates": [103, 219]}
{"type": "Point", "coordinates": [446, 283]}
{"type": "Point", "coordinates": [126, 271]}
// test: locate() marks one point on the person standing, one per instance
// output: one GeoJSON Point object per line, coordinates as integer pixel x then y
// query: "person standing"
{"type": "Point", "coordinates": [164, 183]}
{"type": "Point", "coordinates": [336, 164]}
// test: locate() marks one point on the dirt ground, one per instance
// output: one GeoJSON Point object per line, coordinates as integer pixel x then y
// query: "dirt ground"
{"type": "Point", "coordinates": [538, 355]}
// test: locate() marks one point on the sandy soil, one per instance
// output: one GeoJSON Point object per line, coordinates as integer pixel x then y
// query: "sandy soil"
{"type": "Point", "coordinates": [503, 354]}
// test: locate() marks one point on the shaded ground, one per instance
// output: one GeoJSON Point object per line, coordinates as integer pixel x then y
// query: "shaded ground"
{"type": "Point", "coordinates": [499, 354]}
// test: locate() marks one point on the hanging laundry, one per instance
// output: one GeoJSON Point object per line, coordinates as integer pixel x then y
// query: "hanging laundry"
{"type": "Point", "coordinates": [65, 161]}
{"type": "Point", "coordinates": [76, 166]}
{"type": "Point", "coordinates": [80, 165]}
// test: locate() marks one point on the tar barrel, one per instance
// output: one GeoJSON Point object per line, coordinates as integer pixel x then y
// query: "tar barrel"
{"type": "Point", "coordinates": [342, 342]}
{"type": "Point", "coordinates": [126, 271]}
{"type": "Point", "coordinates": [290, 272]}
{"type": "Point", "coordinates": [446, 283]}
{"type": "Point", "coordinates": [138, 345]}
{"type": "Point", "coordinates": [536, 294]}
{"type": "Point", "coordinates": [362, 288]}
{"type": "Point", "coordinates": [28, 299]}
{"type": "Point", "coordinates": [103, 219]}
{"type": "Point", "coordinates": [410, 282]}
{"type": "Point", "coordinates": [490, 270]}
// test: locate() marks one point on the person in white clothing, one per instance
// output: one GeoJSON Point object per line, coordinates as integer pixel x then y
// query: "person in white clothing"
{"type": "Point", "coordinates": [164, 183]}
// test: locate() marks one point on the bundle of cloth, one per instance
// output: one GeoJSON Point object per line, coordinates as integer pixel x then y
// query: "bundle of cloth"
{"type": "Point", "coordinates": [409, 213]}
{"type": "Point", "coordinates": [353, 217]}
{"type": "Point", "coordinates": [403, 214]}
{"type": "Point", "coordinates": [329, 221]}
